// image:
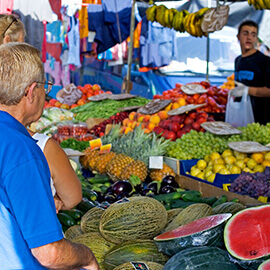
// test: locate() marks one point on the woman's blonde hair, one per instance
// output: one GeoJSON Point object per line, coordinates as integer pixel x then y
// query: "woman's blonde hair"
{"type": "Point", "coordinates": [12, 27]}
{"type": "Point", "coordinates": [20, 66]}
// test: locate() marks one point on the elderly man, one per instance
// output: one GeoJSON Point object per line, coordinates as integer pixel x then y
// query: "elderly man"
{"type": "Point", "coordinates": [31, 235]}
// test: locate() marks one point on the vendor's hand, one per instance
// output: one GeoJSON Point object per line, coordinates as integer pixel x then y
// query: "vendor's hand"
{"type": "Point", "coordinates": [58, 203]}
{"type": "Point", "coordinates": [238, 90]}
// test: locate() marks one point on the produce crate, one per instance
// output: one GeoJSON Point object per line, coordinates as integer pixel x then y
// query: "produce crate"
{"type": "Point", "coordinates": [220, 181]}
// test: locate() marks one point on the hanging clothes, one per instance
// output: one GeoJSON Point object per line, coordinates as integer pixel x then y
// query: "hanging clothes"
{"type": "Point", "coordinates": [74, 42]}
{"type": "Point", "coordinates": [6, 6]}
{"type": "Point", "coordinates": [83, 18]}
{"type": "Point", "coordinates": [56, 6]}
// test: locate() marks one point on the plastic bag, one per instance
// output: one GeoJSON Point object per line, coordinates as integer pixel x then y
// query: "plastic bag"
{"type": "Point", "coordinates": [239, 114]}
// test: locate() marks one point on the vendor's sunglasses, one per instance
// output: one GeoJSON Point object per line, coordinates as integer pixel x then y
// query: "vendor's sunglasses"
{"type": "Point", "coordinates": [14, 20]}
{"type": "Point", "coordinates": [47, 86]}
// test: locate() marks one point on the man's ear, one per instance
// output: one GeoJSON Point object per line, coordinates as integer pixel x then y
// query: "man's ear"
{"type": "Point", "coordinates": [30, 93]}
{"type": "Point", "coordinates": [6, 39]}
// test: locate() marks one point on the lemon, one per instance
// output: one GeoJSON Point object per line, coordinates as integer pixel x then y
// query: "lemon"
{"type": "Point", "coordinates": [194, 171]}
{"type": "Point", "coordinates": [246, 159]}
{"type": "Point", "coordinates": [201, 164]}
{"type": "Point", "coordinates": [258, 168]}
{"type": "Point", "coordinates": [224, 171]}
{"type": "Point", "coordinates": [207, 173]}
{"type": "Point", "coordinates": [235, 170]}
{"type": "Point", "coordinates": [207, 158]}
{"type": "Point", "coordinates": [229, 159]}
{"type": "Point", "coordinates": [240, 155]}
{"type": "Point", "coordinates": [211, 177]}
{"type": "Point", "coordinates": [240, 163]}
{"type": "Point", "coordinates": [251, 163]}
{"type": "Point", "coordinates": [229, 166]}
{"type": "Point", "coordinates": [218, 161]}
{"type": "Point", "coordinates": [214, 155]}
{"type": "Point", "coordinates": [211, 163]}
{"type": "Point", "coordinates": [227, 153]}
{"type": "Point", "coordinates": [208, 168]}
{"type": "Point", "coordinates": [218, 167]}
{"type": "Point", "coordinates": [267, 156]}
{"type": "Point", "coordinates": [266, 163]}
{"type": "Point", "coordinates": [247, 170]}
{"type": "Point", "coordinates": [200, 175]}
{"type": "Point", "coordinates": [258, 157]}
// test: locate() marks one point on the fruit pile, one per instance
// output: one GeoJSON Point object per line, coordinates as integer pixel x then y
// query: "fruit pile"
{"type": "Point", "coordinates": [177, 125]}
{"type": "Point", "coordinates": [229, 162]}
{"type": "Point", "coordinates": [87, 90]}
{"type": "Point", "coordinates": [215, 97]}
{"type": "Point", "coordinates": [229, 84]}
{"type": "Point", "coordinates": [259, 4]}
{"type": "Point", "coordinates": [99, 130]}
{"type": "Point", "coordinates": [179, 20]}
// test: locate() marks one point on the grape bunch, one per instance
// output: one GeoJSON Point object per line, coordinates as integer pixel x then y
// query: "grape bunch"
{"type": "Point", "coordinates": [253, 132]}
{"type": "Point", "coordinates": [197, 145]}
{"type": "Point", "coordinates": [252, 184]}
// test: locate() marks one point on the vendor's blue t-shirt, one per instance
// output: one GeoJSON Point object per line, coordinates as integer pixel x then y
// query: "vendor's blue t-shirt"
{"type": "Point", "coordinates": [27, 211]}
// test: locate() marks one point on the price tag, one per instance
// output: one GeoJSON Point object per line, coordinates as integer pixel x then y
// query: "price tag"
{"type": "Point", "coordinates": [262, 199]}
{"type": "Point", "coordinates": [226, 187]}
{"type": "Point", "coordinates": [156, 162]}
{"type": "Point", "coordinates": [124, 200]}
{"type": "Point", "coordinates": [105, 148]}
{"type": "Point", "coordinates": [95, 144]}
{"type": "Point", "coordinates": [215, 18]}
{"type": "Point", "coordinates": [139, 266]}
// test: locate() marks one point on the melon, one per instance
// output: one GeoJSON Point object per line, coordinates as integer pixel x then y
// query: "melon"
{"type": "Point", "coordinates": [200, 258]}
{"type": "Point", "coordinates": [265, 265]}
{"type": "Point", "coordinates": [132, 266]}
{"type": "Point", "coordinates": [207, 231]}
{"type": "Point", "coordinates": [90, 220]}
{"type": "Point", "coordinates": [99, 245]}
{"type": "Point", "coordinates": [247, 233]}
{"type": "Point", "coordinates": [135, 218]}
{"type": "Point", "coordinates": [73, 231]}
{"type": "Point", "coordinates": [140, 250]}
{"type": "Point", "coordinates": [172, 213]}
{"type": "Point", "coordinates": [189, 214]}
{"type": "Point", "coordinates": [228, 207]}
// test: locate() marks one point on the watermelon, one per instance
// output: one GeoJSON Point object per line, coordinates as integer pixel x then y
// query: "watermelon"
{"type": "Point", "coordinates": [207, 231]}
{"type": "Point", "coordinates": [247, 233]}
{"type": "Point", "coordinates": [200, 258]}
{"type": "Point", "coordinates": [265, 265]}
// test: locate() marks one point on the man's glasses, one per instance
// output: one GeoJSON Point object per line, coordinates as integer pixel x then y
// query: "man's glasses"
{"type": "Point", "coordinates": [47, 86]}
{"type": "Point", "coordinates": [14, 20]}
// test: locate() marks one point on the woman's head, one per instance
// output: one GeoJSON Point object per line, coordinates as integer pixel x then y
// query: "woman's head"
{"type": "Point", "coordinates": [11, 29]}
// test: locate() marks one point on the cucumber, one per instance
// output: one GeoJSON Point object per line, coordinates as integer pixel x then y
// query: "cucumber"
{"type": "Point", "coordinates": [181, 204]}
{"type": "Point", "coordinates": [191, 198]}
{"type": "Point", "coordinates": [176, 195]}
{"type": "Point", "coordinates": [85, 205]}
{"type": "Point", "coordinates": [235, 200]}
{"type": "Point", "coordinates": [220, 200]}
{"type": "Point", "coordinates": [89, 194]}
{"type": "Point", "coordinates": [99, 179]}
{"type": "Point", "coordinates": [66, 219]}
{"type": "Point", "coordinates": [74, 213]}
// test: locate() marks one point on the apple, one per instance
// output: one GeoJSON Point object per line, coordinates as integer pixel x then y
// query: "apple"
{"type": "Point", "coordinates": [158, 130]}
{"type": "Point", "coordinates": [192, 114]}
{"type": "Point", "coordinates": [201, 120]}
{"type": "Point", "coordinates": [196, 126]}
{"type": "Point", "coordinates": [170, 135]}
{"type": "Point", "coordinates": [188, 120]}
{"type": "Point", "coordinates": [174, 126]}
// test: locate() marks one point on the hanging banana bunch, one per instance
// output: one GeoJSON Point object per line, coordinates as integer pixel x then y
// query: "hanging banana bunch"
{"type": "Point", "coordinates": [259, 4]}
{"type": "Point", "coordinates": [178, 20]}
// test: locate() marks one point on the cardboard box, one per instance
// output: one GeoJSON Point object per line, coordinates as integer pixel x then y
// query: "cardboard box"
{"type": "Point", "coordinates": [210, 190]}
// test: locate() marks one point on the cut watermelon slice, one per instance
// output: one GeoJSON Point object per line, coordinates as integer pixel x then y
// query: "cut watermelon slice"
{"type": "Point", "coordinates": [247, 233]}
{"type": "Point", "coordinates": [265, 265]}
{"type": "Point", "coordinates": [207, 231]}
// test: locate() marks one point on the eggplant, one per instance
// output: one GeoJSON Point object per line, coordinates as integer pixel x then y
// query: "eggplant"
{"type": "Point", "coordinates": [109, 198]}
{"type": "Point", "coordinates": [122, 186]}
{"type": "Point", "coordinates": [122, 195]}
{"type": "Point", "coordinates": [154, 186]}
{"type": "Point", "coordinates": [167, 189]}
{"type": "Point", "coordinates": [147, 192]}
{"type": "Point", "coordinates": [169, 180]}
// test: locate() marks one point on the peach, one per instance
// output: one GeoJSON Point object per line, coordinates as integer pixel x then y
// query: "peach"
{"type": "Point", "coordinates": [125, 122]}
{"type": "Point", "coordinates": [146, 118]}
{"type": "Point", "coordinates": [151, 126]}
{"type": "Point", "coordinates": [154, 119]}
{"type": "Point", "coordinates": [147, 131]}
{"type": "Point", "coordinates": [175, 105]}
{"type": "Point", "coordinates": [132, 115]}
{"type": "Point", "coordinates": [127, 130]}
{"type": "Point", "coordinates": [162, 114]}
{"type": "Point", "coordinates": [140, 118]}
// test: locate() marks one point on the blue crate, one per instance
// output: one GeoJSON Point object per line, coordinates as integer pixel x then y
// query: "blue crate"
{"type": "Point", "coordinates": [220, 179]}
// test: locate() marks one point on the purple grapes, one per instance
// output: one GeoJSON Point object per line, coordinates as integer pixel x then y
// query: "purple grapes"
{"type": "Point", "coordinates": [252, 184]}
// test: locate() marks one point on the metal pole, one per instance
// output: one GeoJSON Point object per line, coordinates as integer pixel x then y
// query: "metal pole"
{"type": "Point", "coordinates": [127, 84]}
{"type": "Point", "coordinates": [207, 56]}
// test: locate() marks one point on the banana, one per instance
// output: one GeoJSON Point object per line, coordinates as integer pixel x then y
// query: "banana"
{"type": "Point", "coordinates": [181, 22]}
{"type": "Point", "coordinates": [166, 18]}
{"type": "Point", "coordinates": [250, 2]}
{"type": "Point", "coordinates": [160, 13]}
{"type": "Point", "coordinates": [267, 3]}
{"type": "Point", "coordinates": [201, 12]}
{"type": "Point", "coordinates": [198, 26]}
{"type": "Point", "coordinates": [261, 4]}
{"type": "Point", "coordinates": [151, 13]}
{"type": "Point", "coordinates": [193, 29]}
{"type": "Point", "coordinates": [186, 22]}
{"type": "Point", "coordinates": [175, 23]}
{"type": "Point", "coordinates": [171, 16]}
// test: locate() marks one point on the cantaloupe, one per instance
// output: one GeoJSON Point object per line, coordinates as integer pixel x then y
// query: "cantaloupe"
{"type": "Point", "coordinates": [136, 218]}
{"type": "Point", "coordinates": [90, 220]}
{"type": "Point", "coordinates": [73, 231]}
{"type": "Point", "coordinates": [228, 207]}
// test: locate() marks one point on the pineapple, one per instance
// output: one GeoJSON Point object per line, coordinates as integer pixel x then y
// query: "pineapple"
{"type": "Point", "coordinates": [102, 161]}
{"type": "Point", "coordinates": [137, 168]}
{"type": "Point", "coordinates": [116, 165]}
{"type": "Point", "coordinates": [89, 154]}
{"type": "Point", "coordinates": [159, 174]}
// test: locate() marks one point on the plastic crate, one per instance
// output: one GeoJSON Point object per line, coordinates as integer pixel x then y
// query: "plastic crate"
{"type": "Point", "coordinates": [220, 179]}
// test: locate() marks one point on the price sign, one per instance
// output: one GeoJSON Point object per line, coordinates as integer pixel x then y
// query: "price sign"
{"type": "Point", "coordinates": [215, 18]}
{"type": "Point", "coordinates": [156, 162]}
{"type": "Point", "coordinates": [139, 266]}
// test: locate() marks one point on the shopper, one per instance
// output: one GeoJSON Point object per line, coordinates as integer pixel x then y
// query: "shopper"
{"type": "Point", "coordinates": [65, 185]}
{"type": "Point", "coordinates": [252, 69]}
{"type": "Point", "coordinates": [31, 235]}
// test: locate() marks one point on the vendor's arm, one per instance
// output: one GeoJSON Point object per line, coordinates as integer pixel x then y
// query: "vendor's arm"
{"type": "Point", "coordinates": [67, 185]}
{"type": "Point", "coordinates": [64, 254]}
{"type": "Point", "coordinates": [259, 91]}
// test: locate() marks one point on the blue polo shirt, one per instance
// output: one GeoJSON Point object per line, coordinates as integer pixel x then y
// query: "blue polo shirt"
{"type": "Point", "coordinates": [27, 211]}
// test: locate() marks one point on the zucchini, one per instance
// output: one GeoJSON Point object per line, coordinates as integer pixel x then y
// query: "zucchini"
{"type": "Point", "coordinates": [66, 219]}
{"type": "Point", "coordinates": [220, 200]}
{"type": "Point", "coordinates": [181, 204]}
{"type": "Point", "coordinates": [191, 198]}
{"type": "Point", "coordinates": [176, 195]}
{"type": "Point", "coordinates": [89, 194]}
{"type": "Point", "coordinates": [74, 213]}
{"type": "Point", "coordinates": [235, 200]}
{"type": "Point", "coordinates": [85, 205]}
{"type": "Point", "coordinates": [99, 179]}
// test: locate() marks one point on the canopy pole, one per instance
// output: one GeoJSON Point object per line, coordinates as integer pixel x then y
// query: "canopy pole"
{"type": "Point", "coordinates": [127, 84]}
{"type": "Point", "coordinates": [207, 56]}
